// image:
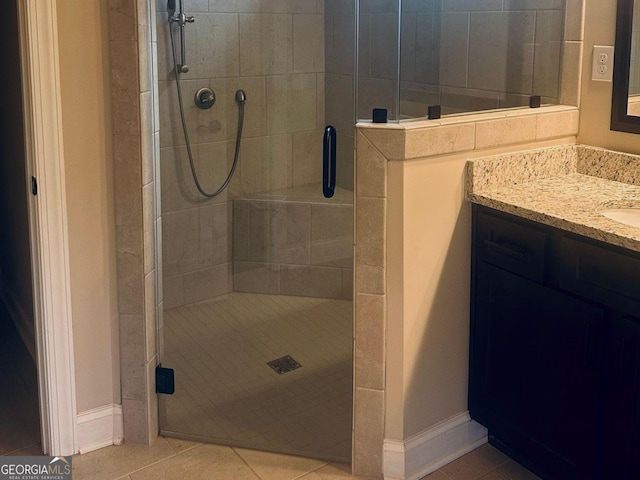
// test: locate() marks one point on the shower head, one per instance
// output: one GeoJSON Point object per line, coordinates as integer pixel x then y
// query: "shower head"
{"type": "Point", "coordinates": [171, 8]}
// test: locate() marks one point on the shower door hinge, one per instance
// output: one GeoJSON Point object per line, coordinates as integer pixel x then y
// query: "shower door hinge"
{"type": "Point", "coordinates": [165, 380]}
{"type": "Point", "coordinates": [34, 186]}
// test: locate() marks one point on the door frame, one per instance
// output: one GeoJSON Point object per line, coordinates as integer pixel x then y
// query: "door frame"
{"type": "Point", "coordinates": [48, 225]}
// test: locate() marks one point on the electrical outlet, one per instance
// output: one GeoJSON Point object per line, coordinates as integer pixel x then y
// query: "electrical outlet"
{"type": "Point", "coordinates": [602, 64]}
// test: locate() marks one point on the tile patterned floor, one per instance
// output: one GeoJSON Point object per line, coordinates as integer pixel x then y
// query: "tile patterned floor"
{"type": "Point", "coordinates": [172, 459]}
{"type": "Point", "coordinates": [226, 392]}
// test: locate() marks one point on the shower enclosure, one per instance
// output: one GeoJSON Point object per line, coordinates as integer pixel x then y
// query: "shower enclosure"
{"type": "Point", "coordinates": [257, 281]}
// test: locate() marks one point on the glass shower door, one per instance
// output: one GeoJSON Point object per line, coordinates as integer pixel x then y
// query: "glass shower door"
{"type": "Point", "coordinates": [257, 281]}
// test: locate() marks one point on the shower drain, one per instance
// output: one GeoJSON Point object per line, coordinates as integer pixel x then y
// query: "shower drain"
{"type": "Point", "coordinates": [283, 365]}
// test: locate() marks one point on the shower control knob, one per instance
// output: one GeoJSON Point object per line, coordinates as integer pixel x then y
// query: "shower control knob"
{"type": "Point", "coordinates": [189, 19]}
{"type": "Point", "coordinates": [205, 98]}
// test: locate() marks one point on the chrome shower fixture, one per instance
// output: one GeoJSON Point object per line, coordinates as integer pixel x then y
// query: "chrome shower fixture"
{"type": "Point", "coordinates": [181, 19]}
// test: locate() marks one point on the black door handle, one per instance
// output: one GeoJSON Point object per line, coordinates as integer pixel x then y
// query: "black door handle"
{"type": "Point", "coordinates": [329, 162]}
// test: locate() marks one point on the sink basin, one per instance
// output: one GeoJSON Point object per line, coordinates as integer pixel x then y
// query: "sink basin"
{"type": "Point", "coordinates": [628, 216]}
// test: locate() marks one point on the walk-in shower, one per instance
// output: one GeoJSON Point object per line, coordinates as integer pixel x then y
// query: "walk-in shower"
{"type": "Point", "coordinates": [257, 272]}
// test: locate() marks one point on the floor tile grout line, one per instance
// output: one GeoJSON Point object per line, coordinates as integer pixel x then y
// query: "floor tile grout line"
{"type": "Point", "coordinates": [245, 462]}
{"type": "Point", "coordinates": [152, 464]}
{"type": "Point", "coordinates": [312, 471]}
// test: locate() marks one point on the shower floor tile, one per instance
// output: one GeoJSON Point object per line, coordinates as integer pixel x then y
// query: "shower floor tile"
{"type": "Point", "coordinates": [227, 393]}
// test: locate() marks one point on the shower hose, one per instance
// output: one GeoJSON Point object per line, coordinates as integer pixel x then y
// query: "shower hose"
{"type": "Point", "coordinates": [240, 100]}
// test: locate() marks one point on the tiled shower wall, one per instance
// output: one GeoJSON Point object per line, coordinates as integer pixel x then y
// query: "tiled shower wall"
{"type": "Point", "coordinates": [466, 55]}
{"type": "Point", "coordinates": [274, 50]}
{"type": "Point", "coordinates": [340, 35]}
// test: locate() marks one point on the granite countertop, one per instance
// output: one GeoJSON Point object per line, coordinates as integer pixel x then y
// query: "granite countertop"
{"type": "Point", "coordinates": [565, 187]}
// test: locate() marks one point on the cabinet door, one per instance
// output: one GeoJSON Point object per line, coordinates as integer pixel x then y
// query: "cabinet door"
{"type": "Point", "coordinates": [535, 372]}
{"type": "Point", "coordinates": [621, 435]}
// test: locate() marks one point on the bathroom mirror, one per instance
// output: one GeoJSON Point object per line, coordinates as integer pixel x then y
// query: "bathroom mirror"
{"type": "Point", "coordinates": [625, 103]}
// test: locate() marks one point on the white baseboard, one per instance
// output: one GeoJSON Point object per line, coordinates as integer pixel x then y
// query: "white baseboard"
{"type": "Point", "coordinates": [431, 449]}
{"type": "Point", "coordinates": [24, 324]}
{"type": "Point", "coordinates": [100, 427]}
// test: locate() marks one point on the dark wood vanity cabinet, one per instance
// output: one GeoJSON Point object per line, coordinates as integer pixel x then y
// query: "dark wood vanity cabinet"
{"type": "Point", "coordinates": [554, 372]}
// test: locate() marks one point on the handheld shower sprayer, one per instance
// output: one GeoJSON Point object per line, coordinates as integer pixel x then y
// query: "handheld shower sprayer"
{"type": "Point", "coordinates": [171, 8]}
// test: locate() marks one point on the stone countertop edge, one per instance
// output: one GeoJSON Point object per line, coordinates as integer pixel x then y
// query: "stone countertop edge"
{"type": "Point", "coordinates": [556, 194]}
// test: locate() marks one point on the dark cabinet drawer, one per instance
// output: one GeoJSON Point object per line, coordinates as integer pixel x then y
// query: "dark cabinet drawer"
{"type": "Point", "coordinates": [600, 274]}
{"type": "Point", "coordinates": [514, 247]}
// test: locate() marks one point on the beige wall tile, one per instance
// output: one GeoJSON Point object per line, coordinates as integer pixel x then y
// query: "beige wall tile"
{"type": "Point", "coordinates": [370, 231]}
{"type": "Point", "coordinates": [255, 277]}
{"type": "Point", "coordinates": [148, 227]}
{"type": "Point", "coordinates": [493, 133]}
{"type": "Point", "coordinates": [212, 46]}
{"type": "Point", "coordinates": [194, 239]}
{"type": "Point", "coordinates": [557, 124]}
{"type": "Point", "coordinates": [134, 383]}
{"type": "Point", "coordinates": [307, 157]}
{"type": "Point", "coordinates": [130, 284]}
{"type": "Point", "coordinates": [208, 283]}
{"type": "Point", "coordinates": [203, 126]}
{"type": "Point", "coordinates": [135, 420]}
{"type": "Point", "coordinates": [266, 163]}
{"type": "Point", "coordinates": [389, 141]}
{"type": "Point", "coordinates": [128, 180]}
{"type": "Point", "coordinates": [122, 20]}
{"type": "Point", "coordinates": [332, 235]}
{"type": "Point", "coordinates": [342, 44]}
{"type": "Point", "coordinates": [501, 51]}
{"type": "Point", "coordinates": [574, 20]}
{"type": "Point", "coordinates": [291, 103]}
{"type": "Point", "coordinates": [255, 120]}
{"type": "Point", "coordinates": [345, 159]}
{"type": "Point", "coordinates": [312, 281]}
{"type": "Point", "coordinates": [266, 44]}
{"type": "Point", "coordinates": [347, 283]}
{"type": "Point", "coordinates": [368, 432]}
{"type": "Point", "coordinates": [454, 49]}
{"type": "Point", "coordinates": [308, 43]}
{"type": "Point", "coordinates": [173, 291]}
{"type": "Point", "coordinates": [370, 279]}
{"type": "Point", "coordinates": [124, 87]}
{"type": "Point", "coordinates": [471, 5]}
{"type": "Point", "coordinates": [384, 45]}
{"type": "Point", "coordinates": [371, 169]}
{"type": "Point", "coordinates": [146, 136]}
{"type": "Point", "coordinates": [571, 71]}
{"type": "Point", "coordinates": [280, 232]}
{"type": "Point", "coordinates": [339, 109]}
{"type": "Point", "coordinates": [533, 4]}
{"type": "Point", "coordinates": [438, 140]}
{"type": "Point", "coordinates": [144, 46]}
{"type": "Point", "coordinates": [320, 101]}
{"type": "Point", "coordinates": [150, 299]}
{"type": "Point", "coordinates": [240, 229]}
{"type": "Point", "coordinates": [546, 75]}
{"type": "Point", "coordinates": [376, 93]}
{"type": "Point", "coordinates": [178, 187]}
{"type": "Point", "coordinates": [369, 341]}
{"type": "Point", "coordinates": [132, 340]}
